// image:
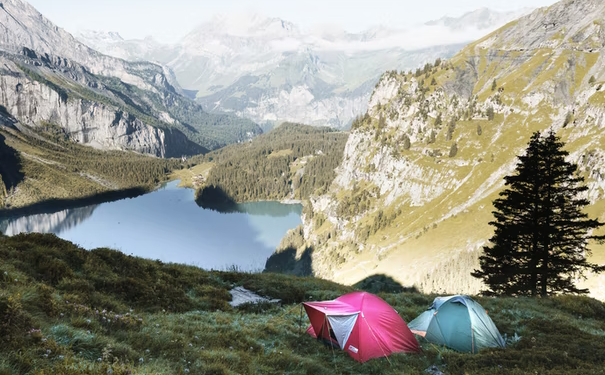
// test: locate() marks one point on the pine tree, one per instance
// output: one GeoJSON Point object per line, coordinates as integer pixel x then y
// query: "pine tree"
{"type": "Point", "coordinates": [453, 150]}
{"type": "Point", "coordinates": [494, 85]}
{"type": "Point", "coordinates": [432, 137]}
{"type": "Point", "coordinates": [438, 120]}
{"type": "Point", "coordinates": [540, 241]}
{"type": "Point", "coordinates": [490, 113]}
{"type": "Point", "coordinates": [407, 144]}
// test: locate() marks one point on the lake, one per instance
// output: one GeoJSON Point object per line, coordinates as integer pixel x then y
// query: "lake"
{"type": "Point", "coordinates": [168, 225]}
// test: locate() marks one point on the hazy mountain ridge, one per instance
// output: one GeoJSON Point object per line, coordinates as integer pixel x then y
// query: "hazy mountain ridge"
{"type": "Point", "coordinates": [480, 19]}
{"type": "Point", "coordinates": [88, 93]}
{"type": "Point", "coordinates": [412, 198]}
{"type": "Point", "coordinates": [269, 70]}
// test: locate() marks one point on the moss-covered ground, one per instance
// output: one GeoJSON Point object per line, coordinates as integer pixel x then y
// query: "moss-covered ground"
{"type": "Point", "coordinates": [66, 310]}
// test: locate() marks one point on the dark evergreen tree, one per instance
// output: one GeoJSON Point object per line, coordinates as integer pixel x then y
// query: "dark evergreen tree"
{"type": "Point", "coordinates": [438, 120]}
{"type": "Point", "coordinates": [540, 242]}
{"type": "Point", "coordinates": [432, 137]}
{"type": "Point", "coordinates": [407, 144]}
{"type": "Point", "coordinates": [490, 113]}
{"type": "Point", "coordinates": [453, 150]}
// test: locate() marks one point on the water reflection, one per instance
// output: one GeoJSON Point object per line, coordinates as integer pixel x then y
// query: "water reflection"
{"type": "Point", "coordinates": [269, 208]}
{"type": "Point", "coordinates": [168, 225]}
{"type": "Point", "coordinates": [47, 223]}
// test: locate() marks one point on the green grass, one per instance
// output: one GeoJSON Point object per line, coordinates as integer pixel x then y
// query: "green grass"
{"type": "Point", "coordinates": [58, 169]}
{"type": "Point", "coordinates": [192, 177]}
{"type": "Point", "coordinates": [67, 310]}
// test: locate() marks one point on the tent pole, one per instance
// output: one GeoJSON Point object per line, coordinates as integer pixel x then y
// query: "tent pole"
{"type": "Point", "coordinates": [376, 339]}
{"type": "Point", "coordinates": [300, 318]}
{"type": "Point", "coordinates": [331, 344]}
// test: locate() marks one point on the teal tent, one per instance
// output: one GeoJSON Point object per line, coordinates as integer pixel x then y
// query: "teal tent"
{"type": "Point", "coordinates": [457, 322]}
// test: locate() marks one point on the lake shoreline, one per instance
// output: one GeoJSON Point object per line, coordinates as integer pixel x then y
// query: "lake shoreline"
{"type": "Point", "coordinates": [51, 206]}
{"type": "Point", "coordinates": [165, 224]}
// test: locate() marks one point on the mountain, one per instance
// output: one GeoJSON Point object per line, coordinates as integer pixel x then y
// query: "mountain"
{"type": "Point", "coordinates": [270, 71]}
{"type": "Point", "coordinates": [480, 19]}
{"type": "Point", "coordinates": [413, 196]}
{"type": "Point", "coordinates": [47, 76]}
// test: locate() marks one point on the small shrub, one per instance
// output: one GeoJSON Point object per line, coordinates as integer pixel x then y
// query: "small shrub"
{"type": "Point", "coordinates": [491, 114]}
{"type": "Point", "coordinates": [453, 150]}
{"type": "Point", "coordinates": [583, 306]}
{"type": "Point", "coordinates": [14, 322]}
{"type": "Point", "coordinates": [257, 308]}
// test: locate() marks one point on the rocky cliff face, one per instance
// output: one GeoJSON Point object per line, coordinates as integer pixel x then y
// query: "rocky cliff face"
{"type": "Point", "coordinates": [23, 26]}
{"type": "Point", "coordinates": [50, 77]}
{"type": "Point", "coordinates": [413, 196]}
{"type": "Point", "coordinates": [89, 117]}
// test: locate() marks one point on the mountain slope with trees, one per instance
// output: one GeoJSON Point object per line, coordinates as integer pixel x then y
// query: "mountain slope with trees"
{"type": "Point", "coordinates": [413, 196]}
{"type": "Point", "coordinates": [292, 161]}
{"type": "Point", "coordinates": [42, 164]}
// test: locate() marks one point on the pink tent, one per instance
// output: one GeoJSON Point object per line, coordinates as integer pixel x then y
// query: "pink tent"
{"type": "Point", "coordinates": [362, 324]}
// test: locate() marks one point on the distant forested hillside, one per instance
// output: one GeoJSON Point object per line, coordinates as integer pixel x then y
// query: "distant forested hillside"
{"type": "Point", "coordinates": [292, 161]}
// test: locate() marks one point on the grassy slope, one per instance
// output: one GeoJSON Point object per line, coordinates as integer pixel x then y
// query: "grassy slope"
{"type": "Point", "coordinates": [456, 222]}
{"type": "Point", "coordinates": [101, 310]}
{"type": "Point", "coordinates": [192, 177]}
{"type": "Point", "coordinates": [57, 169]}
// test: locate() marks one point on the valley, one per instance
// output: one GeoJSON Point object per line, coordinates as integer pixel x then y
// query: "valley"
{"type": "Point", "coordinates": [145, 186]}
{"type": "Point", "coordinates": [39, 166]}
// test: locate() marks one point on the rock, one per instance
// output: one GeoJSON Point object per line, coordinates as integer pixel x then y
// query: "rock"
{"type": "Point", "coordinates": [434, 370]}
{"type": "Point", "coordinates": [270, 71]}
{"type": "Point", "coordinates": [241, 295]}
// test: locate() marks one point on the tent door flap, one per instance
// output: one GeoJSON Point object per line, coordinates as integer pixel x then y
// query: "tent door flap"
{"type": "Point", "coordinates": [342, 325]}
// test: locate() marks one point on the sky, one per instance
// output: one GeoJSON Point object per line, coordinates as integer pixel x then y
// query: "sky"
{"type": "Point", "coordinates": [170, 20]}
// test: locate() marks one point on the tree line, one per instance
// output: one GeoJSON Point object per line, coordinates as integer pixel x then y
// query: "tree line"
{"type": "Point", "coordinates": [292, 159]}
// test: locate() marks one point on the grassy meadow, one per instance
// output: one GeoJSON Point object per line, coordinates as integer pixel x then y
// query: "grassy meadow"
{"type": "Point", "coordinates": [66, 310]}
